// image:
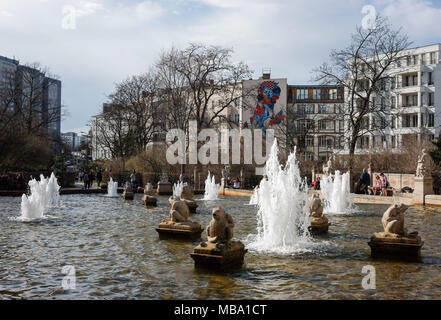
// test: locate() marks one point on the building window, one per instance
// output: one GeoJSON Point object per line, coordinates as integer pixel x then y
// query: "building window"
{"type": "Point", "coordinates": [393, 141]}
{"type": "Point", "coordinates": [305, 125]}
{"type": "Point", "coordinates": [393, 102]}
{"type": "Point", "coordinates": [326, 108]}
{"type": "Point", "coordinates": [326, 125]}
{"type": "Point", "coordinates": [302, 94]}
{"type": "Point", "coordinates": [305, 108]}
{"type": "Point", "coordinates": [410, 121]}
{"type": "Point", "coordinates": [317, 94]}
{"type": "Point", "coordinates": [326, 142]}
{"type": "Point", "coordinates": [341, 125]}
{"type": "Point", "coordinates": [332, 94]}
{"type": "Point", "coordinates": [431, 120]}
{"type": "Point", "coordinates": [433, 58]}
{"type": "Point", "coordinates": [430, 78]}
{"type": "Point", "coordinates": [306, 141]}
{"type": "Point", "coordinates": [393, 83]}
{"type": "Point", "coordinates": [236, 118]}
{"type": "Point", "coordinates": [431, 101]}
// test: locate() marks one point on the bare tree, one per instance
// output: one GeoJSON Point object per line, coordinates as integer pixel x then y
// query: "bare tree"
{"type": "Point", "coordinates": [28, 111]}
{"type": "Point", "coordinates": [364, 69]}
{"type": "Point", "coordinates": [213, 80]}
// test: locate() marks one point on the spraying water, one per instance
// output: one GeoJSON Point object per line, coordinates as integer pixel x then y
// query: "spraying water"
{"type": "Point", "coordinates": [283, 215]}
{"type": "Point", "coordinates": [112, 188]}
{"type": "Point", "coordinates": [254, 198]}
{"type": "Point", "coordinates": [177, 189]}
{"type": "Point", "coordinates": [44, 194]}
{"type": "Point", "coordinates": [337, 194]}
{"type": "Point", "coordinates": [211, 188]}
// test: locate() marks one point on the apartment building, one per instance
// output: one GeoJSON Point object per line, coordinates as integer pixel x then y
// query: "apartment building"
{"type": "Point", "coordinates": [32, 85]}
{"type": "Point", "coordinates": [315, 120]}
{"type": "Point", "coordinates": [413, 98]}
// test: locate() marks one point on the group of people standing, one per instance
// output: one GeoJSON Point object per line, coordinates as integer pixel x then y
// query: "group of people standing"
{"type": "Point", "coordinates": [88, 177]}
{"type": "Point", "coordinates": [380, 184]}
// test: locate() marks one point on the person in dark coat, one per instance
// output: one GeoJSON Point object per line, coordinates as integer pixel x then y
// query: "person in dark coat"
{"type": "Point", "coordinates": [365, 181]}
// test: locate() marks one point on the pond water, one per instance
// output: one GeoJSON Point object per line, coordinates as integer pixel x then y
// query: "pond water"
{"type": "Point", "coordinates": [117, 254]}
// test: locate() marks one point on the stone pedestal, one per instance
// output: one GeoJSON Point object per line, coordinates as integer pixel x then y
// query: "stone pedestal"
{"type": "Point", "coordinates": [164, 188]}
{"type": "Point", "coordinates": [390, 245]}
{"type": "Point", "coordinates": [128, 195]}
{"type": "Point", "coordinates": [319, 226]}
{"type": "Point", "coordinates": [192, 205]}
{"type": "Point", "coordinates": [149, 201]}
{"type": "Point", "coordinates": [423, 186]}
{"type": "Point", "coordinates": [187, 230]}
{"type": "Point", "coordinates": [219, 255]}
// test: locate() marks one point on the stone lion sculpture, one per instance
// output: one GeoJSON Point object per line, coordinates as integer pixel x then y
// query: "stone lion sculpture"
{"type": "Point", "coordinates": [393, 219]}
{"type": "Point", "coordinates": [179, 211]}
{"type": "Point", "coordinates": [221, 226]}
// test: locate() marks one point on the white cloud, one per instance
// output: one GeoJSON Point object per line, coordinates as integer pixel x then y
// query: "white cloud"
{"type": "Point", "coordinates": [114, 38]}
{"type": "Point", "coordinates": [419, 19]}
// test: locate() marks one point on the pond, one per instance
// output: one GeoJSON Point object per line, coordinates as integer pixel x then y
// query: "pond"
{"type": "Point", "coordinates": [116, 253]}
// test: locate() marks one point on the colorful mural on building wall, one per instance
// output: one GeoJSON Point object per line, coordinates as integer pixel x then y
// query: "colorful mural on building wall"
{"type": "Point", "coordinates": [264, 115]}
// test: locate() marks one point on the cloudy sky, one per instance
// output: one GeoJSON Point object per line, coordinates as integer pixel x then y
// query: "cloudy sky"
{"type": "Point", "coordinates": [114, 39]}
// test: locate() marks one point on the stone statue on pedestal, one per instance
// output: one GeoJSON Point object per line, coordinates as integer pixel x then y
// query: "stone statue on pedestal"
{"type": "Point", "coordinates": [128, 192]}
{"type": "Point", "coordinates": [319, 223]}
{"type": "Point", "coordinates": [395, 241]}
{"type": "Point", "coordinates": [424, 168]}
{"type": "Point", "coordinates": [187, 197]}
{"type": "Point", "coordinates": [219, 251]}
{"type": "Point", "coordinates": [178, 225]}
{"type": "Point", "coordinates": [148, 199]}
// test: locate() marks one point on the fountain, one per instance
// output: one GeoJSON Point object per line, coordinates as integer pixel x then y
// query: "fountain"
{"type": "Point", "coordinates": [178, 225]}
{"type": "Point", "coordinates": [44, 194]}
{"type": "Point", "coordinates": [177, 188]}
{"type": "Point", "coordinates": [211, 188]}
{"type": "Point", "coordinates": [336, 192]}
{"type": "Point", "coordinates": [395, 241]}
{"type": "Point", "coordinates": [219, 251]}
{"type": "Point", "coordinates": [283, 215]}
{"type": "Point", "coordinates": [254, 200]}
{"type": "Point", "coordinates": [112, 188]}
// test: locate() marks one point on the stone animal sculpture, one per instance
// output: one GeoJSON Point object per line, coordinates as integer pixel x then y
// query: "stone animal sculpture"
{"type": "Point", "coordinates": [148, 189]}
{"type": "Point", "coordinates": [221, 226]}
{"type": "Point", "coordinates": [179, 211]}
{"type": "Point", "coordinates": [187, 192]}
{"type": "Point", "coordinates": [315, 207]}
{"type": "Point", "coordinates": [393, 219]}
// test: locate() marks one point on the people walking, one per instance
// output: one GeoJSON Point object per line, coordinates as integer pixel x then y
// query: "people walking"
{"type": "Point", "coordinates": [86, 181]}
{"type": "Point", "coordinates": [365, 182]}
{"type": "Point", "coordinates": [377, 186]}
{"type": "Point", "coordinates": [133, 179]}
{"type": "Point", "coordinates": [99, 178]}
{"type": "Point", "coordinates": [384, 184]}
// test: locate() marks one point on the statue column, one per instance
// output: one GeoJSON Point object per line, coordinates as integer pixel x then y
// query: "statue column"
{"type": "Point", "coordinates": [423, 179]}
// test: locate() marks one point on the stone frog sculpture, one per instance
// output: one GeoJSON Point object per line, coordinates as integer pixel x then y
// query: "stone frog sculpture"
{"type": "Point", "coordinates": [187, 196]}
{"type": "Point", "coordinates": [148, 199]}
{"type": "Point", "coordinates": [219, 251]}
{"type": "Point", "coordinates": [393, 219]}
{"type": "Point", "coordinates": [315, 207]}
{"type": "Point", "coordinates": [221, 226]}
{"type": "Point", "coordinates": [128, 192]}
{"type": "Point", "coordinates": [395, 241]}
{"type": "Point", "coordinates": [179, 211]}
{"type": "Point", "coordinates": [319, 223]}
{"type": "Point", "coordinates": [148, 189]}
